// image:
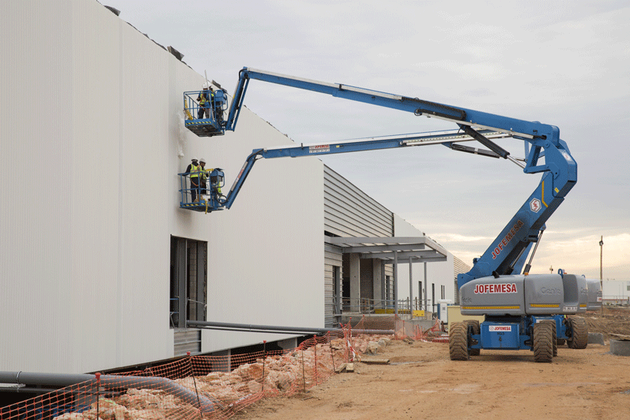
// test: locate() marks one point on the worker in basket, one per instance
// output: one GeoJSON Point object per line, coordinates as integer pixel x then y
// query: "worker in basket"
{"type": "Point", "coordinates": [205, 100]}
{"type": "Point", "coordinates": [203, 176]}
{"type": "Point", "coordinates": [193, 171]}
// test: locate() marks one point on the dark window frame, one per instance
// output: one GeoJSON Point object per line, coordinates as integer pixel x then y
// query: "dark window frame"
{"type": "Point", "coordinates": [188, 281]}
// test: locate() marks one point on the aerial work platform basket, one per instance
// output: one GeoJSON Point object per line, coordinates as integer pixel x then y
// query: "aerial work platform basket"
{"type": "Point", "coordinates": [204, 110]}
{"type": "Point", "coordinates": [206, 196]}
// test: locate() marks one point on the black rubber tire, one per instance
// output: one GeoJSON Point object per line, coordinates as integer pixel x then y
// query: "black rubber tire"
{"type": "Point", "coordinates": [579, 333]}
{"type": "Point", "coordinates": [555, 336]}
{"type": "Point", "coordinates": [474, 329]}
{"type": "Point", "coordinates": [561, 341]}
{"type": "Point", "coordinates": [543, 342]}
{"type": "Point", "coordinates": [458, 341]}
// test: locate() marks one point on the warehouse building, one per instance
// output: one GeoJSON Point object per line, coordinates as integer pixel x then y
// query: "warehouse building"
{"type": "Point", "coordinates": [101, 268]}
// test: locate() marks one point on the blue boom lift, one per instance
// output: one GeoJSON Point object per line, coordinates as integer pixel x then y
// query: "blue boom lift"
{"type": "Point", "coordinates": [522, 311]}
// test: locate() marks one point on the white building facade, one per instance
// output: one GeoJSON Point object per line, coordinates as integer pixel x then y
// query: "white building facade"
{"type": "Point", "coordinates": [93, 241]}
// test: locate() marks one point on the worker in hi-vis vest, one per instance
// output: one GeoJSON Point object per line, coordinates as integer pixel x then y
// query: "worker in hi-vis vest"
{"type": "Point", "coordinates": [203, 176]}
{"type": "Point", "coordinates": [193, 169]}
{"type": "Point", "coordinates": [205, 99]}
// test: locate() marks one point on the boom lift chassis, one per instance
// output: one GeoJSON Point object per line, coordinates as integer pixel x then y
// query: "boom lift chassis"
{"type": "Point", "coordinates": [522, 310]}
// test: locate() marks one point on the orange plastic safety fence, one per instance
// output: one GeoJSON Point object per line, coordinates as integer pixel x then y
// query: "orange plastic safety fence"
{"type": "Point", "coordinates": [197, 387]}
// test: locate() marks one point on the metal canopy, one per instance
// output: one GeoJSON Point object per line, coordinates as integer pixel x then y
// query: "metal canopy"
{"type": "Point", "coordinates": [418, 248]}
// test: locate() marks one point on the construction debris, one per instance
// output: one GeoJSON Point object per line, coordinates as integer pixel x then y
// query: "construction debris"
{"type": "Point", "coordinates": [279, 374]}
{"type": "Point", "coordinates": [375, 361]}
{"type": "Point", "coordinates": [620, 337]}
{"type": "Point", "coordinates": [341, 368]}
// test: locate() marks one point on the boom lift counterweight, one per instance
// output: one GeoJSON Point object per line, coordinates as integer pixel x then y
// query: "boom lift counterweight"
{"type": "Point", "coordinates": [522, 311]}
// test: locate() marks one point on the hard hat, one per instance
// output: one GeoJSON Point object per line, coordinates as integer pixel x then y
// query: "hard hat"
{"type": "Point", "coordinates": [206, 85]}
{"type": "Point", "coordinates": [202, 160]}
{"type": "Point", "coordinates": [193, 159]}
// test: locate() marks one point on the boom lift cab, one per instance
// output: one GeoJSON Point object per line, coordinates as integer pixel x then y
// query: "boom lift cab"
{"type": "Point", "coordinates": [522, 311]}
{"type": "Point", "coordinates": [534, 294]}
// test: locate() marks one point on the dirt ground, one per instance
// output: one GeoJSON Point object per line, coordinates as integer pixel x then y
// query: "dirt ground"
{"type": "Point", "coordinates": [421, 382]}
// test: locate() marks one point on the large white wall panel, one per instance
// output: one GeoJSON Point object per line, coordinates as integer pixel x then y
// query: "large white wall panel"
{"type": "Point", "coordinates": [90, 328]}
{"type": "Point", "coordinates": [267, 259]}
{"type": "Point", "coordinates": [265, 254]}
{"type": "Point", "coordinates": [144, 242]}
{"type": "Point", "coordinates": [36, 200]}
{"type": "Point", "coordinates": [91, 140]}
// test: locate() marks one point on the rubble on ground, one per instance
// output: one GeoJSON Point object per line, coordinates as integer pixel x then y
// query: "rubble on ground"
{"type": "Point", "coordinates": [611, 320]}
{"type": "Point", "coordinates": [285, 374]}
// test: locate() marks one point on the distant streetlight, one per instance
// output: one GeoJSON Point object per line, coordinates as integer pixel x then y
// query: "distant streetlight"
{"type": "Point", "coordinates": [601, 254]}
{"type": "Point", "coordinates": [601, 278]}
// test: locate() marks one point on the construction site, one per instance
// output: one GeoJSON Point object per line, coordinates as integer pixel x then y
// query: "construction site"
{"type": "Point", "coordinates": [163, 276]}
{"type": "Point", "coordinates": [356, 375]}
{"type": "Point", "coordinates": [419, 381]}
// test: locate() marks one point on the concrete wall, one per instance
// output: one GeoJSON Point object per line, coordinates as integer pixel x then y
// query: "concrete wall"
{"type": "Point", "coordinates": [91, 140]}
{"type": "Point", "coordinates": [616, 289]}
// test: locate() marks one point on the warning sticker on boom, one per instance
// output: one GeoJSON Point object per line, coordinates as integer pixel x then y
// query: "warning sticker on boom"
{"type": "Point", "coordinates": [322, 148]}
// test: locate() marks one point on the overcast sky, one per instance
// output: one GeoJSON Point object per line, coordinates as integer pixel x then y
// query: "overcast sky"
{"type": "Point", "coordinates": [565, 63]}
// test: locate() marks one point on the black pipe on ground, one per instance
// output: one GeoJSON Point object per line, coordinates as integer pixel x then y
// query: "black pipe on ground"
{"type": "Point", "coordinates": [274, 328]}
{"type": "Point", "coordinates": [111, 382]}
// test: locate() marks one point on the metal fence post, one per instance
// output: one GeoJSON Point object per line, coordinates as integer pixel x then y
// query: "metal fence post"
{"type": "Point", "coordinates": [262, 389]}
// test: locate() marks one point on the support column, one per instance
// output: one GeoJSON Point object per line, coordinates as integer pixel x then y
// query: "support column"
{"type": "Point", "coordinates": [377, 282]}
{"type": "Point", "coordinates": [384, 285]}
{"type": "Point", "coordinates": [396, 283]}
{"type": "Point", "coordinates": [355, 282]}
{"type": "Point", "coordinates": [338, 298]}
{"type": "Point", "coordinates": [426, 308]}
{"type": "Point", "coordinates": [410, 287]}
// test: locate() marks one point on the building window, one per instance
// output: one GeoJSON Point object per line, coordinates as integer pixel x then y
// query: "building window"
{"type": "Point", "coordinates": [189, 281]}
{"type": "Point", "coordinates": [443, 292]}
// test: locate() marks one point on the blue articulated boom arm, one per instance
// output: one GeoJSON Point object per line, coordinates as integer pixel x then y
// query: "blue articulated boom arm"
{"type": "Point", "coordinates": [449, 138]}
{"type": "Point", "coordinates": [546, 153]}
{"type": "Point", "coordinates": [334, 89]}
{"type": "Point", "coordinates": [461, 116]}
{"type": "Point", "coordinates": [506, 253]}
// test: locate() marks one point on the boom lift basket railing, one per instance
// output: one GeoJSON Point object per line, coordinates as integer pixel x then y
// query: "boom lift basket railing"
{"type": "Point", "coordinates": [207, 195]}
{"type": "Point", "coordinates": [205, 120]}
